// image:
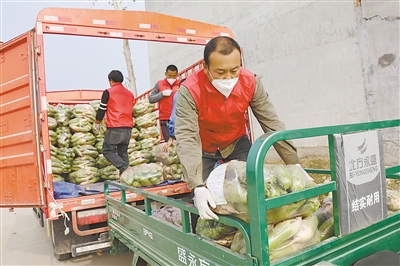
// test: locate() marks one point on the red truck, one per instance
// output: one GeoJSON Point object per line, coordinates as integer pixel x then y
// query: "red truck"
{"type": "Point", "coordinates": [77, 225]}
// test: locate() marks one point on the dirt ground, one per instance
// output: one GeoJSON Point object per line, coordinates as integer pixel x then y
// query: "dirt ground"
{"type": "Point", "coordinates": [24, 242]}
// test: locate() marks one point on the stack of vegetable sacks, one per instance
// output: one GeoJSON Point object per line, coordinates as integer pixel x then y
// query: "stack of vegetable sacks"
{"type": "Point", "coordinates": [60, 137]}
{"type": "Point", "coordinates": [143, 170]}
{"type": "Point", "coordinates": [172, 169]}
{"type": "Point", "coordinates": [291, 226]}
{"type": "Point", "coordinates": [83, 141]}
{"type": "Point", "coordinates": [74, 146]}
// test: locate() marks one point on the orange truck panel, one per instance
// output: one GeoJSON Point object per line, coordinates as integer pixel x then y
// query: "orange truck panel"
{"type": "Point", "coordinates": [135, 25]}
{"type": "Point", "coordinates": [20, 179]}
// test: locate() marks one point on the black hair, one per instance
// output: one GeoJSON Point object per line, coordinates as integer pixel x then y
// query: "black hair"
{"type": "Point", "coordinates": [222, 44]}
{"type": "Point", "coordinates": [116, 76]}
{"type": "Point", "coordinates": [171, 68]}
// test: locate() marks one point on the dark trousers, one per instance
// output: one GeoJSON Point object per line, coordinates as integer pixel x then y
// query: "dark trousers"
{"type": "Point", "coordinates": [115, 147]}
{"type": "Point", "coordinates": [240, 153]}
{"type": "Point", "coordinates": [165, 129]}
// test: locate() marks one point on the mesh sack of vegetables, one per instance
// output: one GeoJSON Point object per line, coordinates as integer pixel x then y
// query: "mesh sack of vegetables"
{"type": "Point", "coordinates": [150, 132]}
{"type": "Point", "coordinates": [99, 146]}
{"type": "Point", "coordinates": [82, 150]}
{"type": "Point", "coordinates": [109, 173]}
{"type": "Point", "coordinates": [170, 215]}
{"type": "Point", "coordinates": [101, 161]}
{"type": "Point", "coordinates": [95, 104]}
{"type": "Point", "coordinates": [142, 107]}
{"type": "Point", "coordinates": [143, 175]}
{"type": "Point", "coordinates": [53, 150]}
{"type": "Point", "coordinates": [133, 146]}
{"type": "Point", "coordinates": [79, 124]}
{"type": "Point", "coordinates": [65, 155]}
{"type": "Point", "coordinates": [149, 143]}
{"type": "Point", "coordinates": [139, 157]}
{"type": "Point", "coordinates": [238, 244]}
{"type": "Point", "coordinates": [300, 180]}
{"type": "Point", "coordinates": [213, 230]}
{"type": "Point", "coordinates": [63, 136]}
{"type": "Point", "coordinates": [62, 114]}
{"type": "Point", "coordinates": [165, 157]}
{"type": "Point", "coordinates": [82, 138]}
{"type": "Point", "coordinates": [286, 237]}
{"type": "Point", "coordinates": [84, 111]}
{"type": "Point", "coordinates": [307, 235]}
{"type": "Point", "coordinates": [85, 176]}
{"type": "Point", "coordinates": [234, 187]}
{"type": "Point", "coordinates": [58, 167]}
{"type": "Point", "coordinates": [53, 137]}
{"type": "Point", "coordinates": [173, 172]}
{"type": "Point", "coordinates": [146, 120]}
{"type": "Point", "coordinates": [82, 161]}
{"type": "Point", "coordinates": [135, 133]}
{"type": "Point", "coordinates": [58, 178]}
{"type": "Point", "coordinates": [52, 123]}
{"type": "Point", "coordinates": [50, 110]}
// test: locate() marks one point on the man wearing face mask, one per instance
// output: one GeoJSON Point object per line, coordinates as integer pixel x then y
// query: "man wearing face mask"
{"type": "Point", "coordinates": [210, 121]}
{"type": "Point", "coordinates": [163, 93]}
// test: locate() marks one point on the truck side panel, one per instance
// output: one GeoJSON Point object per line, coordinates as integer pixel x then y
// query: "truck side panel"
{"type": "Point", "coordinates": [19, 181]}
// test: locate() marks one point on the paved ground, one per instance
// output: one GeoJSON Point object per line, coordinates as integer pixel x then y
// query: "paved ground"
{"type": "Point", "coordinates": [24, 242]}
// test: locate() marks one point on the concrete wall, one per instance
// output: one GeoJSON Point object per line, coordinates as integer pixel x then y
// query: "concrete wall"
{"type": "Point", "coordinates": [323, 63]}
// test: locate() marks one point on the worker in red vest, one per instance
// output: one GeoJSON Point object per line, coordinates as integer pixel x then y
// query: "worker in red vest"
{"type": "Point", "coordinates": [117, 104]}
{"type": "Point", "coordinates": [163, 93]}
{"type": "Point", "coordinates": [210, 121]}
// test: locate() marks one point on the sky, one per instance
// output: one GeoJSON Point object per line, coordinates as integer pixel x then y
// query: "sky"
{"type": "Point", "coordinates": [73, 62]}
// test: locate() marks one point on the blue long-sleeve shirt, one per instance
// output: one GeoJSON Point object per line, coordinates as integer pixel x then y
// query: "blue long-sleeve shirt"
{"type": "Point", "coordinates": [171, 124]}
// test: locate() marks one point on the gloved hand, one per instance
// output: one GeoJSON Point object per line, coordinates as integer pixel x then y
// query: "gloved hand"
{"type": "Point", "coordinates": [166, 92]}
{"type": "Point", "coordinates": [203, 197]}
{"type": "Point", "coordinates": [96, 127]}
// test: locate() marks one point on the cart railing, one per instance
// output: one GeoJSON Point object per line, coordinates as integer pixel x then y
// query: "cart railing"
{"type": "Point", "coordinates": [255, 180]}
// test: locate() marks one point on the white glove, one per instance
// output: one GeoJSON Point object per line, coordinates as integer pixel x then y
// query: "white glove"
{"type": "Point", "coordinates": [166, 92]}
{"type": "Point", "coordinates": [96, 127]}
{"type": "Point", "coordinates": [203, 197]}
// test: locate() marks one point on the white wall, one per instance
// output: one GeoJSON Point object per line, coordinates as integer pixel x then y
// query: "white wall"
{"type": "Point", "coordinates": [322, 62]}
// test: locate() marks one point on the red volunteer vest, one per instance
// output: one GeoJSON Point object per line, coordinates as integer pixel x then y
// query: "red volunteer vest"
{"type": "Point", "coordinates": [119, 107]}
{"type": "Point", "coordinates": [165, 104]}
{"type": "Point", "coordinates": [221, 120]}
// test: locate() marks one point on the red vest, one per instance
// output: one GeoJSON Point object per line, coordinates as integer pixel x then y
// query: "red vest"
{"type": "Point", "coordinates": [221, 120]}
{"type": "Point", "coordinates": [165, 104]}
{"type": "Point", "coordinates": [119, 107]}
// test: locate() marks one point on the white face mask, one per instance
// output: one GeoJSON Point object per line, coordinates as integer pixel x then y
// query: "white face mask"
{"type": "Point", "coordinates": [171, 81]}
{"type": "Point", "coordinates": [224, 86]}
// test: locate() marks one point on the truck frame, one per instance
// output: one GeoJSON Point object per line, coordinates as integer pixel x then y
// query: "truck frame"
{"type": "Point", "coordinates": [25, 160]}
